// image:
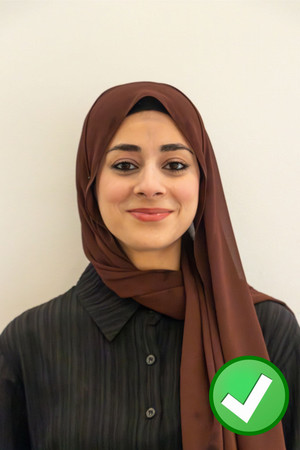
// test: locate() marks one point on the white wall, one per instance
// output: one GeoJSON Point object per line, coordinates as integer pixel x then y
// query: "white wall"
{"type": "Point", "coordinates": [239, 63]}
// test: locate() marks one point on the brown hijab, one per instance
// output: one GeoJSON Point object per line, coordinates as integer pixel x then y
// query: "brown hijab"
{"type": "Point", "coordinates": [210, 292]}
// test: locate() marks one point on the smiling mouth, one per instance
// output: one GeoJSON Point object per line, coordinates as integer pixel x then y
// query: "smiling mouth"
{"type": "Point", "coordinates": [150, 210]}
{"type": "Point", "coordinates": [150, 214]}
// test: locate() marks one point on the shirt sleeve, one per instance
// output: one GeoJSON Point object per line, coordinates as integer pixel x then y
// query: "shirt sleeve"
{"type": "Point", "coordinates": [282, 336]}
{"type": "Point", "coordinates": [13, 419]}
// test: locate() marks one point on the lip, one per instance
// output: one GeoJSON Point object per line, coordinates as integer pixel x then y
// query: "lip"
{"type": "Point", "coordinates": [150, 210]}
{"type": "Point", "coordinates": [150, 214]}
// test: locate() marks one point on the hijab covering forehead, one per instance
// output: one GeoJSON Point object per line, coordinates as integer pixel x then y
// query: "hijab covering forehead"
{"type": "Point", "coordinates": [209, 292]}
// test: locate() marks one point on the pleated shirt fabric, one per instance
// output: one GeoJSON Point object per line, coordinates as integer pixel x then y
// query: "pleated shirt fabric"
{"type": "Point", "coordinates": [91, 371]}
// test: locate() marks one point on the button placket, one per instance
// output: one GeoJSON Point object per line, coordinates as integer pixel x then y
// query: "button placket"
{"type": "Point", "coordinates": [152, 398]}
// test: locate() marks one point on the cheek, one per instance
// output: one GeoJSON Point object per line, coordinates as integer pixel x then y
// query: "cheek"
{"type": "Point", "coordinates": [111, 191]}
{"type": "Point", "coordinates": [188, 193]}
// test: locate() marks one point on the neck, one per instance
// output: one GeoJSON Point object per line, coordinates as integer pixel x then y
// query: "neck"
{"type": "Point", "coordinates": [162, 259]}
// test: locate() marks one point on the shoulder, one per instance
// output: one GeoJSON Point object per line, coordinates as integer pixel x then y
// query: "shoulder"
{"type": "Point", "coordinates": [47, 309]}
{"type": "Point", "coordinates": [36, 322]}
{"type": "Point", "coordinates": [52, 325]}
{"type": "Point", "coordinates": [275, 315]}
{"type": "Point", "coordinates": [280, 329]}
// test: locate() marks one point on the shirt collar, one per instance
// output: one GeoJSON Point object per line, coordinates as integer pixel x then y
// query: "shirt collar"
{"type": "Point", "coordinates": [106, 308]}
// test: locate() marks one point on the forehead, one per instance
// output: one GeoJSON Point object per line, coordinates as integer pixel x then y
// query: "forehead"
{"type": "Point", "coordinates": [148, 123]}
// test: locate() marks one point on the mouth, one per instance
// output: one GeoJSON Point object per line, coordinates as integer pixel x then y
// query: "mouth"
{"type": "Point", "coordinates": [150, 214]}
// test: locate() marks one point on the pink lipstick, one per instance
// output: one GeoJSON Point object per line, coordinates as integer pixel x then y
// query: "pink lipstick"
{"type": "Point", "coordinates": [150, 214]}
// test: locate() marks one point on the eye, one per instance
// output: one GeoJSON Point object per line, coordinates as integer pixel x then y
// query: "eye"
{"type": "Point", "coordinates": [176, 166]}
{"type": "Point", "coordinates": [124, 166]}
{"type": "Point", "coordinates": [172, 166]}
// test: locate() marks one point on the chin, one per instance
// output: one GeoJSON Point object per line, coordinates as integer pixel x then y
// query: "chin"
{"type": "Point", "coordinates": [148, 248]}
{"type": "Point", "coordinates": [151, 245]}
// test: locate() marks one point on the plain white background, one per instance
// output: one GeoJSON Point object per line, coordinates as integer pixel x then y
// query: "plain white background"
{"type": "Point", "coordinates": [238, 61]}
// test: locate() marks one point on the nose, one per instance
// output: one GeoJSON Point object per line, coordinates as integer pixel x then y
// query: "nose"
{"type": "Point", "coordinates": [150, 182]}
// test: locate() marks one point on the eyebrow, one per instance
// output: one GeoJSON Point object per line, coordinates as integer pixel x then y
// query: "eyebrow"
{"type": "Point", "coordinates": [162, 148]}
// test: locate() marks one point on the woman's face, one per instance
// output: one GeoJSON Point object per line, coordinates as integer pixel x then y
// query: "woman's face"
{"type": "Point", "coordinates": [148, 166]}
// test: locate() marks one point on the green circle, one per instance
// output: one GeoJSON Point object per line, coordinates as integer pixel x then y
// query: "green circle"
{"type": "Point", "coordinates": [256, 392]}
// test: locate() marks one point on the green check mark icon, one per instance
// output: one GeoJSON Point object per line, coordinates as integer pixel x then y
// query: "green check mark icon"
{"type": "Point", "coordinates": [249, 395]}
{"type": "Point", "coordinates": [245, 410]}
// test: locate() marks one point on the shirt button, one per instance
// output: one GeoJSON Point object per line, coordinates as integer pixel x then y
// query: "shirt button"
{"type": "Point", "coordinates": [150, 413]}
{"type": "Point", "coordinates": [150, 360]}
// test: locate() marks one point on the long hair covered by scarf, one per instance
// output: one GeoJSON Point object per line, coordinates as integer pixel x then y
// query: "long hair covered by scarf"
{"type": "Point", "coordinates": [210, 292]}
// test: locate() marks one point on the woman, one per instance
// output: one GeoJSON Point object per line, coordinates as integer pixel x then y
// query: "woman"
{"type": "Point", "coordinates": [125, 358]}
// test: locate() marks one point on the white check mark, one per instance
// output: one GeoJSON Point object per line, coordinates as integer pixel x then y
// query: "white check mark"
{"type": "Point", "coordinates": [245, 410]}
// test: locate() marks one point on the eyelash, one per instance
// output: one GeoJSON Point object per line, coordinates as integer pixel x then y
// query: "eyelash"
{"type": "Point", "coordinates": [115, 166]}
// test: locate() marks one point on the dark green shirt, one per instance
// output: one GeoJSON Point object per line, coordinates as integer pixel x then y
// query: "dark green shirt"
{"type": "Point", "coordinates": [91, 371]}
